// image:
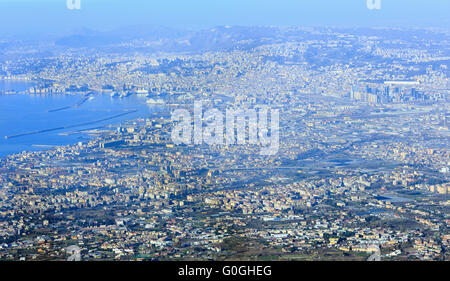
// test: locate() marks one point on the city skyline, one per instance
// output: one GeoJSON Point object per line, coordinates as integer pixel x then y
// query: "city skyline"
{"type": "Point", "coordinates": [224, 131]}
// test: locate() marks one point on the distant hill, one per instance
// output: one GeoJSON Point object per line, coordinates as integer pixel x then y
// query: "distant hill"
{"type": "Point", "coordinates": [158, 38]}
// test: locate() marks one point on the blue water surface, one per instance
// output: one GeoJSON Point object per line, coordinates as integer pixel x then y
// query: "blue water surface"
{"type": "Point", "coordinates": [24, 113]}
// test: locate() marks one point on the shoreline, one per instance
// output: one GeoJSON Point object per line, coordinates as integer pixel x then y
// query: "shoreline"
{"type": "Point", "coordinates": [107, 110]}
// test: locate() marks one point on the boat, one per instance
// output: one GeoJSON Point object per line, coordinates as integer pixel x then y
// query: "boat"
{"type": "Point", "coordinates": [153, 101]}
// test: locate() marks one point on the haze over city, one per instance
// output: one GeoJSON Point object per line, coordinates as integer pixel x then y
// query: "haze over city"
{"type": "Point", "coordinates": [26, 17]}
{"type": "Point", "coordinates": [224, 131]}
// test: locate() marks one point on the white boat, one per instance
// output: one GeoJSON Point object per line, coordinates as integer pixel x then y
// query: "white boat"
{"type": "Point", "coordinates": [152, 101]}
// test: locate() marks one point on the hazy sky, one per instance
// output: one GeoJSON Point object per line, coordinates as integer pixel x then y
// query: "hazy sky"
{"type": "Point", "coordinates": [36, 16]}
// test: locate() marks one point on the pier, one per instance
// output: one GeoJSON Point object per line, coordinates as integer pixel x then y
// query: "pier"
{"type": "Point", "coordinates": [78, 104]}
{"type": "Point", "coordinates": [71, 126]}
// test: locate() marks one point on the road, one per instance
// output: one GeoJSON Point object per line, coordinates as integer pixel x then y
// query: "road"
{"type": "Point", "coordinates": [375, 256]}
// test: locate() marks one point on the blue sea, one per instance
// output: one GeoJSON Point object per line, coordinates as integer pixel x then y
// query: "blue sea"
{"type": "Point", "coordinates": [24, 113]}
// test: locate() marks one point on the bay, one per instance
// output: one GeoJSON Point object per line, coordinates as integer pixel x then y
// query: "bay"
{"type": "Point", "coordinates": [24, 113]}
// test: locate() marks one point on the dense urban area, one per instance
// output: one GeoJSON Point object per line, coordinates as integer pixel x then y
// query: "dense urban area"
{"type": "Point", "coordinates": [362, 170]}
